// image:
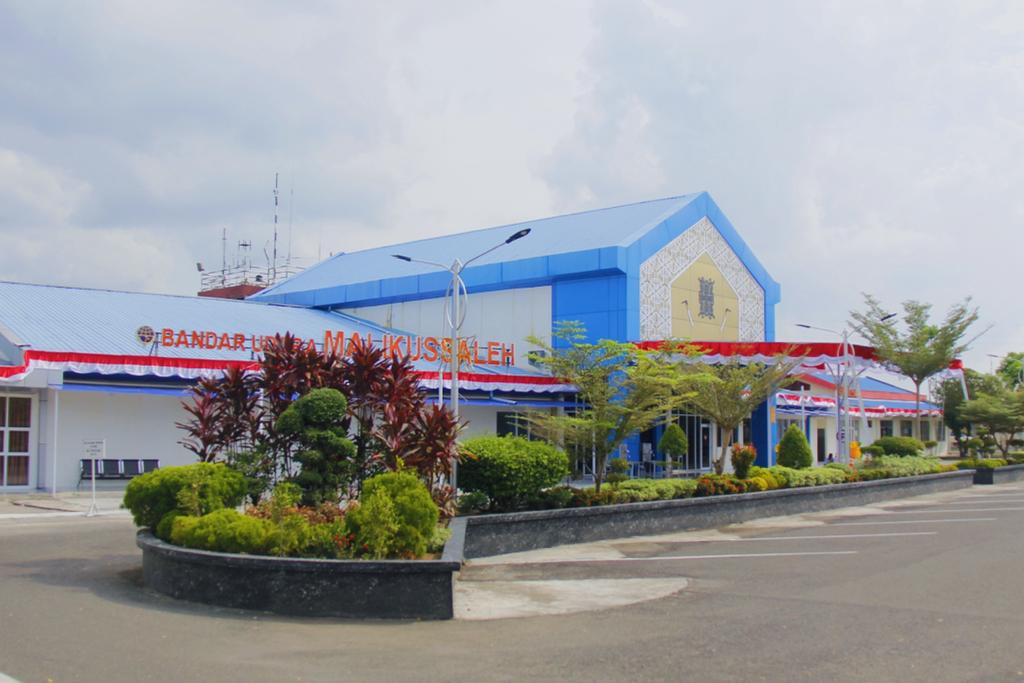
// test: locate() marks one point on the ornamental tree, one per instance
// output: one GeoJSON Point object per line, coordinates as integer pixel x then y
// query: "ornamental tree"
{"type": "Point", "coordinates": [950, 394]}
{"type": "Point", "coordinates": [1011, 369]}
{"type": "Point", "coordinates": [1001, 414]}
{"type": "Point", "coordinates": [673, 443]}
{"type": "Point", "coordinates": [316, 422]}
{"type": "Point", "coordinates": [922, 348]}
{"type": "Point", "coordinates": [622, 390]}
{"type": "Point", "coordinates": [730, 392]}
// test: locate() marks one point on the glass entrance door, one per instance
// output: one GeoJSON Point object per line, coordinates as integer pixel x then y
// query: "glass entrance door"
{"type": "Point", "coordinates": [15, 429]}
{"type": "Point", "coordinates": [698, 435]}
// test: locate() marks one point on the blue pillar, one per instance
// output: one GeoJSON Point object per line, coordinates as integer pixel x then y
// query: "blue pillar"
{"type": "Point", "coordinates": [762, 424]}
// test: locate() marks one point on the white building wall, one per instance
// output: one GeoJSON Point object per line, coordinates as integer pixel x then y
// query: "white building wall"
{"type": "Point", "coordinates": [508, 316]}
{"type": "Point", "coordinates": [135, 426]}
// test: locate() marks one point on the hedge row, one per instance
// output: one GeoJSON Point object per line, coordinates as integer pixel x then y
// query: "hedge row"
{"type": "Point", "coordinates": [760, 479]}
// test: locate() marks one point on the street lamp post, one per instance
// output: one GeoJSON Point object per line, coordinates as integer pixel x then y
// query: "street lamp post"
{"type": "Point", "coordinates": [455, 315]}
{"type": "Point", "coordinates": [844, 381]}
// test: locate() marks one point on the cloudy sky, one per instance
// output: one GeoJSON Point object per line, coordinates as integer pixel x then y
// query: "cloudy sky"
{"type": "Point", "coordinates": [857, 146]}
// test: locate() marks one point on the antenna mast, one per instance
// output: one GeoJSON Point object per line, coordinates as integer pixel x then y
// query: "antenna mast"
{"type": "Point", "coordinates": [273, 263]}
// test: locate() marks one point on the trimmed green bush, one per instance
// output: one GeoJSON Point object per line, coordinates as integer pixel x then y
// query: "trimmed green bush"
{"type": "Point", "coordinates": [794, 451]}
{"type": "Point", "coordinates": [773, 480]}
{"type": "Point", "coordinates": [396, 517]}
{"type": "Point", "coordinates": [872, 450]}
{"type": "Point", "coordinates": [890, 466]}
{"type": "Point", "coordinates": [195, 490]}
{"type": "Point", "coordinates": [225, 530]}
{"type": "Point", "coordinates": [899, 445]}
{"type": "Point", "coordinates": [510, 470]}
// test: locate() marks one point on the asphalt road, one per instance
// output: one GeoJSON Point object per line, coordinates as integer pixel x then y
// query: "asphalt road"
{"type": "Point", "coordinates": [926, 589]}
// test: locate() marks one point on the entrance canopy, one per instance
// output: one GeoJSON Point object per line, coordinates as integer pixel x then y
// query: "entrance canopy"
{"type": "Point", "coordinates": [812, 356]}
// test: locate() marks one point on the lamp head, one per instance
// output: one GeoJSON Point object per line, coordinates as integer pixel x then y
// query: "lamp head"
{"type": "Point", "coordinates": [888, 316]}
{"type": "Point", "coordinates": [400, 257]}
{"type": "Point", "coordinates": [519, 235]}
{"type": "Point", "coordinates": [803, 325]}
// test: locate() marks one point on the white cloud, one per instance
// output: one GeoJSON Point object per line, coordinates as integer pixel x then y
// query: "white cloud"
{"type": "Point", "coordinates": [866, 146]}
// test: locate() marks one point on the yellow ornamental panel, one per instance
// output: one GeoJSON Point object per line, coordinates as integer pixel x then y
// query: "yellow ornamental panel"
{"type": "Point", "coordinates": [704, 306]}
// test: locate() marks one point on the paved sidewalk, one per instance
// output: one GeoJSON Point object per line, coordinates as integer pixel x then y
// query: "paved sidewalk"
{"type": "Point", "coordinates": [67, 504]}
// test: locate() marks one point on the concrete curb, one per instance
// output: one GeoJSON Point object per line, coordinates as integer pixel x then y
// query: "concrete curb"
{"type": "Point", "coordinates": [487, 535]}
{"type": "Point", "coordinates": [362, 589]}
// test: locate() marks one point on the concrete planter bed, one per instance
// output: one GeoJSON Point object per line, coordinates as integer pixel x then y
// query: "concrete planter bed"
{"type": "Point", "coordinates": [384, 589]}
{"type": "Point", "coordinates": [514, 532]}
{"type": "Point", "coordinates": [999, 475]}
{"type": "Point", "coordinates": [423, 589]}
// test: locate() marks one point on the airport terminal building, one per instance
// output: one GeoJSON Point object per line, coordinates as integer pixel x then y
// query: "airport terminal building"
{"type": "Point", "coordinates": [82, 366]}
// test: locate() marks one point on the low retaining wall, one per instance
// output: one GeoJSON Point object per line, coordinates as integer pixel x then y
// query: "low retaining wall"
{"type": "Point", "coordinates": [508, 533]}
{"type": "Point", "coordinates": [389, 589]}
{"type": "Point", "coordinates": [1000, 475]}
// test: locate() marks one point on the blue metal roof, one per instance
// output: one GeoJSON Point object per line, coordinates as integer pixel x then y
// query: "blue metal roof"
{"type": "Point", "coordinates": [602, 240]}
{"type": "Point", "coordinates": [50, 318]}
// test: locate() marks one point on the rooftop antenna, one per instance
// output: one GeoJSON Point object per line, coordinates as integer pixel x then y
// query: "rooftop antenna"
{"type": "Point", "coordinates": [273, 264]}
{"type": "Point", "coordinates": [291, 203]}
{"type": "Point", "coordinates": [223, 254]}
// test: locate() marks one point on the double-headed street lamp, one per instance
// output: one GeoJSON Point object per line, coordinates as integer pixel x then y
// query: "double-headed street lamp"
{"type": "Point", "coordinates": [844, 380]}
{"type": "Point", "coordinates": [455, 315]}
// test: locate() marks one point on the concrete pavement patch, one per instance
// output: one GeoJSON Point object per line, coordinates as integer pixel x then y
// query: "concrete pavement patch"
{"type": "Point", "coordinates": [482, 600]}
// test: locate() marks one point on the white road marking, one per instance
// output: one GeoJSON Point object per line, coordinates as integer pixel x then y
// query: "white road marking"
{"type": "Point", "coordinates": [697, 557]}
{"type": "Point", "coordinates": [824, 536]}
{"type": "Point", "coordinates": [801, 538]}
{"type": "Point", "coordinates": [918, 521]}
{"type": "Point", "coordinates": [49, 515]}
{"type": "Point", "coordinates": [984, 500]}
{"type": "Point", "coordinates": [957, 510]}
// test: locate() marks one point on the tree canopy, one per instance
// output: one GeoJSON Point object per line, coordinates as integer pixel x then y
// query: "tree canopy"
{"type": "Point", "coordinates": [622, 390]}
{"type": "Point", "coordinates": [922, 348]}
{"type": "Point", "coordinates": [730, 392]}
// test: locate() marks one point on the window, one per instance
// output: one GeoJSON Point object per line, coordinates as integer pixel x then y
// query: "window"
{"type": "Point", "coordinates": [906, 428]}
{"type": "Point", "coordinates": [885, 427]}
{"type": "Point", "coordinates": [510, 423]}
{"type": "Point", "coordinates": [15, 426]}
{"type": "Point", "coordinates": [926, 431]}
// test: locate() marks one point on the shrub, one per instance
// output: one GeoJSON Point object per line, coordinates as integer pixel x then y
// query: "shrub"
{"type": "Point", "coordinates": [873, 450]}
{"type": "Point", "coordinates": [473, 501]}
{"type": "Point", "coordinates": [757, 484]}
{"type": "Point", "coordinates": [889, 466]}
{"type": "Point", "coordinates": [794, 451]}
{"type": "Point", "coordinates": [195, 490]}
{"type": "Point", "coordinates": [673, 442]}
{"type": "Point", "coordinates": [619, 471]}
{"type": "Point", "coordinates": [899, 445]}
{"type": "Point", "coordinates": [396, 517]}
{"type": "Point", "coordinates": [743, 457]}
{"type": "Point", "coordinates": [770, 478]}
{"type": "Point", "coordinates": [510, 470]}
{"type": "Point", "coordinates": [225, 530]}
{"type": "Point", "coordinates": [990, 463]}
{"type": "Point", "coordinates": [931, 444]}
{"type": "Point", "coordinates": [551, 499]}
{"type": "Point", "coordinates": [718, 485]}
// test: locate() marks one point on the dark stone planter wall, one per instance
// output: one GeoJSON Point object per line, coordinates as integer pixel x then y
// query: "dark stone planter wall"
{"type": "Point", "coordinates": [389, 589]}
{"type": "Point", "coordinates": [1000, 475]}
{"type": "Point", "coordinates": [508, 533]}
